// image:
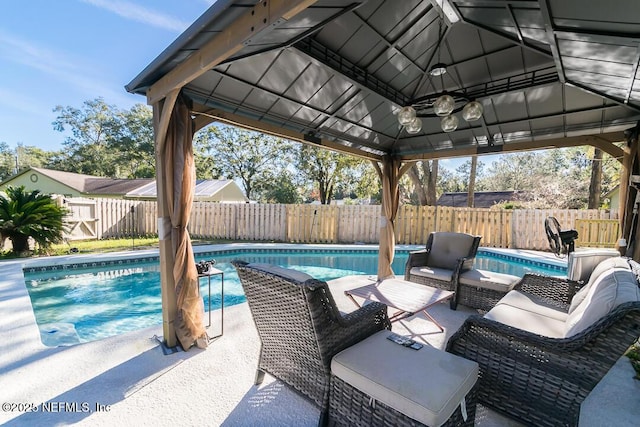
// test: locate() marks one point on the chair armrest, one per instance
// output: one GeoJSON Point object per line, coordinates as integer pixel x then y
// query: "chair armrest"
{"type": "Point", "coordinates": [583, 358]}
{"type": "Point", "coordinates": [478, 332]}
{"type": "Point", "coordinates": [352, 328]}
{"type": "Point", "coordinates": [416, 259]}
{"type": "Point", "coordinates": [555, 290]}
{"type": "Point", "coordinates": [371, 312]}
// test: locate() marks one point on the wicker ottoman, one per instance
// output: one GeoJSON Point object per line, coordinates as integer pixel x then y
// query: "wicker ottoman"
{"type": "Point", "coordinates": [483, 289]}
{"type": "Point", "coordinates": [378, 382]}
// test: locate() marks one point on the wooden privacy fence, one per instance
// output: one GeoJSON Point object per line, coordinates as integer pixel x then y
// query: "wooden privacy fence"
{"type": "Point", "coordinates": [523, 229]}
{"type": "Point", "coordinates": [597, 232]}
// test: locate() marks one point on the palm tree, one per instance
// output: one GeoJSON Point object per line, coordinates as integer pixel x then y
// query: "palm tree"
{"type": "Point", "coordinates": [35, 215]}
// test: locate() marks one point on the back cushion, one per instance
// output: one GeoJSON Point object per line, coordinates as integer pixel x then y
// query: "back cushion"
{"type": "Point", "coordinates": [582, 262]}
{"type": "Point", "coordinates": [603, 267]}
{"type": "Point", "coordinates": [612, 288]}
{"type": "Point", "coordinates": [447, 248]}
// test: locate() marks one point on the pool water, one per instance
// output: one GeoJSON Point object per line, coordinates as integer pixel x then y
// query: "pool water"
{"type": "Point", "coordinates": [83, 305]}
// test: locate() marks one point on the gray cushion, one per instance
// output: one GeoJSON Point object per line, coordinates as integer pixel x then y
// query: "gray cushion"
{"type": "Point", "coordinates": [426, 385]}
{"type": "Point", "coordinates": [448, 248]}
{"type": "Point", "coordinates": [602, 268]}
{"type": "Point", "coordinates": [612, 288]}
{"type": "Point", "coordinates": [489, 280]}
{"type": "Point", "coordinates": [582, 262]}
{"type": "Point", "coordinates": [530, 313]}
{"type": "Point", "coordinates": [287, 273]}
{"type": "Point", "coordinates": [534, 304]}
{"type": "Point", "coordinates": [527, 320]}
{"type": "Point", "coordinates": [433, 273]}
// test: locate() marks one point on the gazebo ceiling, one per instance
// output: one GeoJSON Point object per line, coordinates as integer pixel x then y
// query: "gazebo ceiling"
{"type": "Point", "coordinates": [548, 73]}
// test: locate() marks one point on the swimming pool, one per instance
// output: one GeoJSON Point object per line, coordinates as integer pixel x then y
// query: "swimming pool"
{"type": "Point", "coordinates": [89, 301]}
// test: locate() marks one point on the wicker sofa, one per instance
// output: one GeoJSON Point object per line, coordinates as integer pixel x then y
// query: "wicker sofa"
{"type": "Point", "coordinates": [547, 343]}
{"type": "Point", "coordinates": [301, 329]}
{"type": "Point", "coordinates": [440, 263]}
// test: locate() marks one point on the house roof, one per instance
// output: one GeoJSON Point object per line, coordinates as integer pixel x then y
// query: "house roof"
{"type": "Point", "coordinates": [88, 184]}
{"type": "Point", "coordinates": [481, 199]}
{"type": "Point", "coordinates": [335, 73]}
{"type": "Point", "coordinates": [204, 188]}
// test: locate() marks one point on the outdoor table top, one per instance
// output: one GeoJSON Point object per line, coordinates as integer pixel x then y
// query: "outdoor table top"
{"type": "Point", "coordinates": [403, 295]}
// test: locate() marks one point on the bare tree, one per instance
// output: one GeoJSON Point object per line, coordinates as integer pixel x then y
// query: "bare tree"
{"type": "Point", "coordinates": [472, 181]}
{"type": "Point", "coordinates": [595, 185]}
{"type": "Point", "coordinates": [424, 176]}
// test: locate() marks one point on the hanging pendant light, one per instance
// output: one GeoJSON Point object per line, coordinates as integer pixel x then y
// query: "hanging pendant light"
{"type": "Point", "coordinates": [472, 111]}
{"type": "Point", "coordinates": [406, 115]}
{"type": "Point", "coordinates": [443, 106]}
{"type": "Point", "coordinates": [415, 126]}
{"type": "Point", "coordinates": [449, 123]}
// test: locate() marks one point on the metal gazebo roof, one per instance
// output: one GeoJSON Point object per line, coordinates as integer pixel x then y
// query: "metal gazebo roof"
{"type": "Point", "coordinates": [335, 73]}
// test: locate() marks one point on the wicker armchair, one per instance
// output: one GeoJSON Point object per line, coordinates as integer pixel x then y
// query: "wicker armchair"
{"type": "Point", "coordinates": [445, 256]}
{"type": "Point", "coordinates": [539, 380]}
{"type": "Point", "coordinates": [301, 329]}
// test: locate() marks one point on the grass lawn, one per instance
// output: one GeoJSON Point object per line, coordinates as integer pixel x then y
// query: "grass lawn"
{"type": "Point", "coordinates": [106, 245]}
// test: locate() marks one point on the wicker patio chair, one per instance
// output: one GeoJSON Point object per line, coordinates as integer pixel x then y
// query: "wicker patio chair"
{"type": "Point", "coordinates": [301, 329]}
{"type": "Point", "coordinates": [440, 263]}
{"type": "Point", "coordinates": [539, 380]}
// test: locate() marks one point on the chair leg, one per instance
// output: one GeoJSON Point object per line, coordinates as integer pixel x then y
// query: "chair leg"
{"type": "Point", "coordinates": [259, 377]}
{"type": "Point", "coordinates": [324, 418]}
{"type": "Point", "coordinates": [453, 304]}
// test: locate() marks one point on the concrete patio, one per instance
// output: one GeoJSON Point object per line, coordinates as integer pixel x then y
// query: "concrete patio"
{"type": "Point", "coordinates": [127, 380]}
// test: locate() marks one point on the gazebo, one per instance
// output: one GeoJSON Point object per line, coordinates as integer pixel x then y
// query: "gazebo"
{"type": "Point", "coordinates": [393, 82]}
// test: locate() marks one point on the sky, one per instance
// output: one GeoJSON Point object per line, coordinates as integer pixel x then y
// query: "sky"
{"type": "Point", "coordinates": [66, 52]}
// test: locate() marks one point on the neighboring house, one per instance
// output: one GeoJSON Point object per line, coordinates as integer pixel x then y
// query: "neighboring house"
{"type": "Point", "coordinates": [481, 199]}
{"type": "Point", "coordinates": [207, 190]}
{"type": "Point", "coordinates": [71, 184]}
{"type": "Point", "coordinates": [614, 197]}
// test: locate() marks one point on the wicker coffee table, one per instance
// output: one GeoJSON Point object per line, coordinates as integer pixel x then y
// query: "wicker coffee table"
{"type": "Point", "coordinates": [408, 298]}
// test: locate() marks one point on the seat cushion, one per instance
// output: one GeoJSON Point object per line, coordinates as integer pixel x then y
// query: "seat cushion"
{"type": "Point", "coordinates": [433, 273]}
{"type": "Point", "coordinates": [426, 385]}
{"type": "Point", "coordinates": [448, 248]}
{"type": "Point", "coordinates": [489, 280]}
{"type": "Point", "coordinates": [603, 267]}
{"type": "Point", "coordinates": [612, 288]}
{"type": "Point", "coordinates": [287, 273]}
{"type": "Point", "coordinates": [529, 313]}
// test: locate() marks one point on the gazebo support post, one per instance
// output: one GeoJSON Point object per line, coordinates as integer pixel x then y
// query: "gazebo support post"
{"type": "Point", "coordinates": [390, 173]}
{"type": "Point", "coordinates": [161, 114]}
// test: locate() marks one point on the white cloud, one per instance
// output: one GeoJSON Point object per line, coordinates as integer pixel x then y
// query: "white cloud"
{"type": "Point", "coordinates": [60, 66]}
{"type": "Point", "coordinates": [17, 100]}
{"type": "Point", "coordinates": [137, 13]}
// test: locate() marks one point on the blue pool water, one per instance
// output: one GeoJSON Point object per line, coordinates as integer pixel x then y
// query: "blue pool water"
{"type": "Point", "coordinates": [99, 302]}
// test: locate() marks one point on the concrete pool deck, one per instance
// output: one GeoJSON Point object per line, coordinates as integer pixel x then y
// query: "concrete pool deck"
{"type": "Point", "coordinates": [127, 380]}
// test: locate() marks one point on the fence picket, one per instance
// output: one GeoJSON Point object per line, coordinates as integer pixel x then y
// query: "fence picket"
{"type": "Point", "coordinates": [523, 229]}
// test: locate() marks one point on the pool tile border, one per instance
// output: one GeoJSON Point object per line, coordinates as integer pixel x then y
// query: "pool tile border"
{"type": "Point", "coordinates": [235, 251]}
{"type": "Point", "coordinates": [238, 251]}
{"type": "Point", "coordinates": [522, 259]}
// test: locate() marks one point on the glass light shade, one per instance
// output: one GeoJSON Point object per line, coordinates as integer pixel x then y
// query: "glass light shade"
{"type": "Point", "coordinates": [472, 111]}
{"type": "Point", "coordinates": [443, 106]}
{"type": "Point", "coordinates": [438, 69]}
{"type": "Point", "coordinates": [415, 126]}
{"type": "Point", "coordinates": [449, 123]}
{"type": "Point", "coordinates": [406, 115]}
